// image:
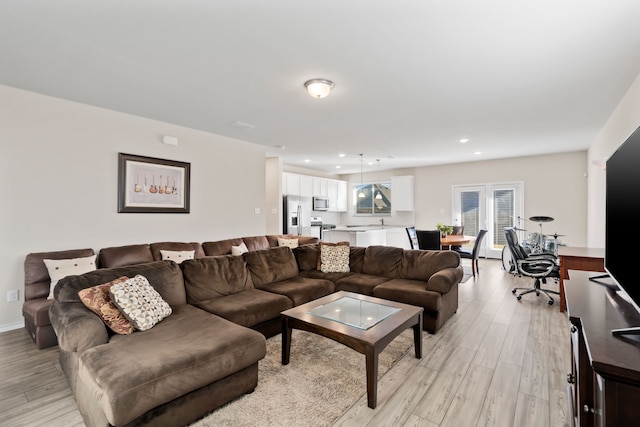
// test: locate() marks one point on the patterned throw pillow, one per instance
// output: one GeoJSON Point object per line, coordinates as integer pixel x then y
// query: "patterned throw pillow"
{"type": "Point", "coordinates": [292, 243]}
{"type": "Point", "coordinates": [239, 250]}
{"type": "Point", "coordinates": [177, 256]}
{"type": "Point", "coordinates": [97, 300]}
{"type": "Point", "coordinates": [334, 258]}
{"type": "Point", "coordinates": [139, 302]}
{"type": "Point", "coordinates": [61, 268]}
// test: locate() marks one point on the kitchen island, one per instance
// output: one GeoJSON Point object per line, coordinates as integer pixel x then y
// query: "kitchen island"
{"type": "Point", "coordinates": [368, 235]}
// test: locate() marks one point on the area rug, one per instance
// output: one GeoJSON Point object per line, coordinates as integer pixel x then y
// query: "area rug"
{"type": "Point", "coordinates": [322, 380]}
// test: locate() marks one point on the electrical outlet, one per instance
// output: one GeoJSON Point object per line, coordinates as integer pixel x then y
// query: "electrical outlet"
{"type": "Point", "coordinates": [12, 295]}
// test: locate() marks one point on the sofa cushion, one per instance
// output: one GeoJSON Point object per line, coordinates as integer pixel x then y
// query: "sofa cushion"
{"type": "Point", "coordinates": [165, 277]}
{"type": "Point", "coordinates": [302, 240]}
{"type": "Point", "coordinates": [360, 283]}
{"type": "Point", "coordinates": [213, 277]}
{"type": "Point", "coordinates": [316, 274]}
{"type": "Point", "coordinates": [36, 275]}
{"type": "Point", "coordinates": [248, 308]}
{"type": "Point", "coordinates": [356, 258]}
{"type": "Point", "coordinates": [382, 261]}
{"type": "Point", "coordinates": [157, 247]}
{"type": "Point", "coordinates": [220, 247]}
{"type": "Point", "coordinates": [301, 289]}
{"type": "Point", "coordinates": [421, 265]}
{"type": "Point", "coordinates": [190, 349]}
{"type": "Point", "coordinates": [271, 265]}
{"type": "Point", "coordinates": [139, 302]}
{"type": "Point", "coordinates": [97, 299]}
{"type": "Point", "coordinates": [38, 310]}
{"type": "Point", "coordinates": [120, 256]}
{"type": "Point", "coordinates": [413, 292]}
{"type": "Point", "coordinates": [307, 257]}
{"type": "Point", "coordinates": [256, 243]}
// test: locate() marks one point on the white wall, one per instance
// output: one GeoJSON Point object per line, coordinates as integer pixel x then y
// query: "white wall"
{"type": "Point", "coordinates": [555, 185]}
{"type": "Point", "coordinates": [59, 162]}
{"type": "Point", "coordinates": [624, 120]}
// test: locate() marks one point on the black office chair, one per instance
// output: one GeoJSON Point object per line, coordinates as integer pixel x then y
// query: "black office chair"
{"type": "Point", "coordinates": [538, 266]}
{"type": "Point", "coordinates": [413, 237]}
{"type": "Point", "coordinates": [474, 253]}
{"type": "Point", "coordinates": [429, 240]}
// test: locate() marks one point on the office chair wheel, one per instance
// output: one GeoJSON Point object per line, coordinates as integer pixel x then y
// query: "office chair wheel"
{"type": "Point", "coordinates": [519, 297]}
{"type": "Point", "coordinates": [550, 302]}
{"type": "Point", "coordinates": [513, 291]}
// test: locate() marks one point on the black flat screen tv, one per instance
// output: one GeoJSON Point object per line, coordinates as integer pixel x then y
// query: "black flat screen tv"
{"type": "Point", "coordinates": [622, 212]}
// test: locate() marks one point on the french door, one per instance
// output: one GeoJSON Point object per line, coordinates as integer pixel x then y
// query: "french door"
{"type": "Point", "coordinates": [489, 206]}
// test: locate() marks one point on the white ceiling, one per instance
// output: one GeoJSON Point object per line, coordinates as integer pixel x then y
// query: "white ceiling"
{"type": "Point", "coordinates": [412, 77]}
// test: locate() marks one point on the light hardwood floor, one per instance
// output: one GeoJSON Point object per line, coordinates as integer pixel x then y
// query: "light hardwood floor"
{"type": "Point", "coordinates": [496, 362]}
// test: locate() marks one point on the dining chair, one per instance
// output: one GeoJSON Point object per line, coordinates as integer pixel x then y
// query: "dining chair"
{"type": "Point", "coordinates": [413, 237]}
{"type": "Point", "coordinates": [458, 230]}
{"type": "Point", "coordinates": [429, 239]}
{"type": "Point", "coordinates": [473, 254]}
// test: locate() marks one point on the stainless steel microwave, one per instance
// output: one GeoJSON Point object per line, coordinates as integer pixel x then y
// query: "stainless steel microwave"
{"type": "Point", "coordinates": [320, 204]}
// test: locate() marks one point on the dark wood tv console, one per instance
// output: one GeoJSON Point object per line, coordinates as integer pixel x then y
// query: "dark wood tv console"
{"type": "Point", "coordinates": [604, 385]}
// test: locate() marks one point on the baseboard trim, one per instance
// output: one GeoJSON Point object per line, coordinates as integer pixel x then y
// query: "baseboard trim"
{"type": "Point", "coordinates": [11, 326]}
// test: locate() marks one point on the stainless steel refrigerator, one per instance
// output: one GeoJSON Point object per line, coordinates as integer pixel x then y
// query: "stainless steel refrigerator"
{"type": "Point", "coordinates": [297, 215]}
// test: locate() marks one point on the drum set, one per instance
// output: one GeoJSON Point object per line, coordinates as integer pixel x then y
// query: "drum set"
{"type": "Point", "coordinates": [535, 243]}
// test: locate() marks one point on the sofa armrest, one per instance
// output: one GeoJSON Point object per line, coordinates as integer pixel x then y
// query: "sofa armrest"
{"type": "Point", "coordinates": [77, 328]}
{"type": "Point", "coordinates": [443, 280]}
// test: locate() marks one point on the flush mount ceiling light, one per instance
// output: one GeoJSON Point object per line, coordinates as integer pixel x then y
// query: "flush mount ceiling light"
{"type": "Point", "coordinates": [319, 88]}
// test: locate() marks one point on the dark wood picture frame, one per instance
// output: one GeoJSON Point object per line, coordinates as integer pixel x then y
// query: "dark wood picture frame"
{"type": "Point", "coordinates": [151, 185]}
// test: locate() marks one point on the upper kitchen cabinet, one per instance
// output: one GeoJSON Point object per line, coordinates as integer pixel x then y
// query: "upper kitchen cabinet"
{"type": "Point", "coordinates": [402, 193]}
{"type": "Point", "coordinates": [297, 185]}
{"type": "Point", "coordinates": [343, 196]}
{"type": "Point", "coordinates": [320, 187]}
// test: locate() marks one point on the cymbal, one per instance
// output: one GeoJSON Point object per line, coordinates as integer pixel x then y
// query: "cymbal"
{"type": "Point", "coordinates": [520, 229]}
{"type": "Point", "coordinates": [556, 235]}
{"type": "Point", "coordinates": [540, 219]}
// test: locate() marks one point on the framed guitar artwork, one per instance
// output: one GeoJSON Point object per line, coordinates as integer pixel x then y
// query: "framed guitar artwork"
{"type": "Point", "coordinates": [151, 185]}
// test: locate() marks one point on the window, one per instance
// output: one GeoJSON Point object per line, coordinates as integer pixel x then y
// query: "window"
{"type": "Point", "coordinates": [372, 199]}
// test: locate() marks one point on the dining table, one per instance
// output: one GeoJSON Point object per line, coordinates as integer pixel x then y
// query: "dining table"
{"type": "Point", "coordinates": [455, 240]}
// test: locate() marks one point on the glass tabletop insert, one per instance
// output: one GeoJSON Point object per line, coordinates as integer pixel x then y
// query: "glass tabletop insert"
{"type": "Point", "coordinates": [354, 312]}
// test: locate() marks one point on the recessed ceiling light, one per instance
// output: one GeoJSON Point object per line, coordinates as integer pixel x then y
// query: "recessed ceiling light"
{"type": "Point", "coordinates": [477, 153]}
{"type": "Point", "coordinates": [341, 155]}
{"type": "Point", "coordinates": [370, 163]}
{"type": "Point", "coordinates": [307, 160]}
{"type": "Point", "coordinates": [338, 166]}
{"type": "Point", "coordinates": [464, 140]}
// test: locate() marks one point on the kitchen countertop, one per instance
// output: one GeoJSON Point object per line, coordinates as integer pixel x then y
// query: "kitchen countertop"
{"type": "Point", "coordinates": [364, 227]}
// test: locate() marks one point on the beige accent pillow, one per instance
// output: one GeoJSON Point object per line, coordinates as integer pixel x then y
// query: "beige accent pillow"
{"type": "Point", "coordinates": [239, 250]}
{"type": "Point", "coordinates": [292, 243]}
{"type": "Point", "coordinates": [97, 300]}
{"type": "Point", "coordinates": [334, 258]}
{"type": "Point", "coordinates": [139, 302]}
{"type": "Point", "coordinates": [60, 268]}
{"type": "Point", "coordinates": [177, 256]}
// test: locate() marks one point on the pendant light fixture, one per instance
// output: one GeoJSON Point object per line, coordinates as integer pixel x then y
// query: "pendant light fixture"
{"type": "Point", "coordinates": [378, 193]}
{"type": "Point", "coordinates": [361, 192]}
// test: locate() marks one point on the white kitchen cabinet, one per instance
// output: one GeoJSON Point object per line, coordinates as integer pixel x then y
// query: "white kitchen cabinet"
{"type": "Point", "coordinates": [306, 186]}
{"type": "Point", "coordinates": [320, 187]}
{"type": "Point", "coordinates": [332, 194]}
{"type": "Point", "coordinates": [290, 184]}
{"type": "Point", "coordinates": [402, 193]}
{"type": "Point", "coordinates": [343, 196]}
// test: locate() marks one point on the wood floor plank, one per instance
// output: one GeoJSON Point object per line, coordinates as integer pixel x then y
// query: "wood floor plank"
{"type": "Point", "coordinates": [415, 421]}
{"type": "Point", "coordinates": [535, 367]}
{"type": "Point", "coordinates": [467, 404]}
{"type": "Point", "coordinates": [500, 403]}
{"type": "Point", "coordinates": [490, 348]}
{"type": "Point", "coordinates": [531, 411]}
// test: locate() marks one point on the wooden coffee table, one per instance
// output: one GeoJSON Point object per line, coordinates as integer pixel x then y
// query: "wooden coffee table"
{"type": "Point", "coordinates": [366, 324]}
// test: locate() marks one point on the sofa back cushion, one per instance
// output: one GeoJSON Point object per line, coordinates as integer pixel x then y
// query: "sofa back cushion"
{"type": "Point", "coordinates": [256, 243]}
{"type": "Point", "coordinates": [36, 275]}
{"type": "Point", "coordinates": [271, 265]}
{"type": "Point", "coordinates": [213, 277]}
{"type": "Point", "coordinates": [120, 256]}
{"type": "Point", "coordinates": [302, 240]}
{"type": "Point", "coordinates": [175, 246]}
{"type": "Point", "coordinates": [164, 276]}
{"type": "Point", "coordinates": [382, 261]}
{"type": "Point", "coordinates": [421, 265]}
{"type": "Point", "coordinates": [221, 247]}
{"type": "Point", "coordinates": [356, 258]}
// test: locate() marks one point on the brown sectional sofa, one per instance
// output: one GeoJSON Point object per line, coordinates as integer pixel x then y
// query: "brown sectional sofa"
{"type": "Point", "coordinates": [206, 353]}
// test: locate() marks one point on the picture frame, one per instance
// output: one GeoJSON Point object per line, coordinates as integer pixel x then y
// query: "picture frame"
{"type": "Point", "coordinates": [152, 185]}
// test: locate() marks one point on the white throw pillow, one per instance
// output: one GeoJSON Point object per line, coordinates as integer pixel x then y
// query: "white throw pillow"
{"type": "Point", "coordinates": [140, 303]}
{"type": "Point", "coordinates": [292, 243]}
{"type": "Point", "coordinates": [60, 268]}
{"type": "Point", "coordinates": [239, 250]}
{"type": "Point", "coordinates": [177, 256]}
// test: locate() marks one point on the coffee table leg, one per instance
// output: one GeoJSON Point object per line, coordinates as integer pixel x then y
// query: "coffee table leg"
{"type": "Point", "coordinates": [372, 376]}
{"type": "Point", "coordinates": [286, 341]}
{"type": "Point", "coordinates": [417, 337]}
